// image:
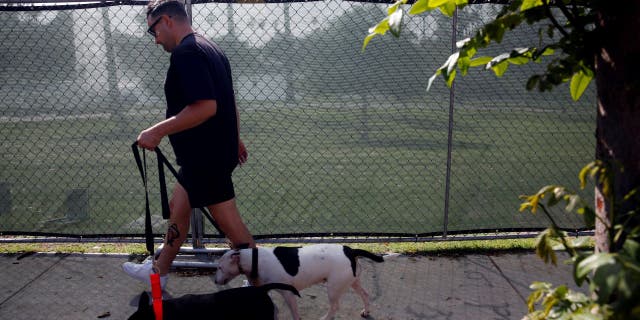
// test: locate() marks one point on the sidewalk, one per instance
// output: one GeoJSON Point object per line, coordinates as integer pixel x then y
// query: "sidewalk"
{"type": "Point", "coordinates": [49, 286]}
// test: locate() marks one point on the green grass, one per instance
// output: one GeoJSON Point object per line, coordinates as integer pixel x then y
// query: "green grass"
{"type": "Point", "coordinates": [312, 169]}
{"type": "Point", "coordinates": [407, 248]}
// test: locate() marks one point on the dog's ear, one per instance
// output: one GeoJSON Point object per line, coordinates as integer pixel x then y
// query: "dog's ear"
{"type": "Point", "coordinates": [235, 257]}
{"type": "Point", "coordinates": [144, 308]}
{"type": "Point", "coordinates": [144, 300]}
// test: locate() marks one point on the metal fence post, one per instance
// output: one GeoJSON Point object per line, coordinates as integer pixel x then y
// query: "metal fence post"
{"type": "Point", "coordinates": [197, 222]}
{"type": "Point", "coordinates": [197, 229]}
{"type": "Point", "coordinates": [447, 189]}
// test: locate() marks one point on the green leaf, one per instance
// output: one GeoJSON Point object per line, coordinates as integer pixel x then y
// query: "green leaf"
{"type": "Point", "coordinates": [559, 191]}
{"type": "Point", "coordinates": [421, 6]}
{"type": "Point", "coordinates": [519, 60]}
{"type": "Point", "coordinates": [500, 68]}
{"type": "Point", "coordinates": [532, 82]}
{"type": "Point", "coordinates": [395, 22]}
{"type": "Point", "coordinates": [528, 4]}
{"type": "Point", "coordinates": [544, 247]}
{"type": "Point", "coordinates": [395, 6]}
{"type": "Point", "coordinates": [463, 65]}
{"type": "Point", "coordinates": [469, 50]}
{"type": "Point", "coordinates": [437, 3]}
{"type": "Point", "coordinates": [631, 265]}
{"type": "Point", "coordinates": [554, 198]}
{"type": "Point", "coordinates": [579, 83]}
{"type": "Point", "coordinates": [379, 29]}
{"type": "Point", "coordinates": [632, 249]}
{"type": "Point", "coordinates": [594, 262]}
{"type": "Point", "coordinates": [581, 242]}
{"type": "Point", "coordinates": [452, 62]}
{"type": "Point", "coordinates": [627, 286]}
{"type": "Point", "coordinates": [433, 77]}
{"type": "Point", "coordinates": [462, 43]}
{"type": "Point", "coordinates": [450, 77]}
{"type": "Point", "coordinates": [548, 51]}
{"type": "Point", "coordinates": [538, 285]}
{"type": "Point", "coordinates": [498, 59]}
{"type": "Point", "coordinates": [494, 31]}
{"type": "Point", "coordinates": [577, 297]}
{"type": "Point", "coordinates": [606, 279]}
{"type": "Point", "coordinates": [366, 40]}
{"type": "Point", "coordinates": [561, 291]}
{"type": "Point", "coordinates": [576, 261]}
{"type": "Point", "coordinates": [582, 176]}
{"type": "Point", "coordinates": [573, 201]}
{"type": "Point", "coordinates": [536, 54]}
{"type": "Point", "coordinates": [480, 61]}
{"type": "Point", "coordinates": [448, 8]}
{"type": "Point", "coordinates": [589, 216]}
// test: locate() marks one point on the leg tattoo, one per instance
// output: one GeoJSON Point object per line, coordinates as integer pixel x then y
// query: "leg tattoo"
{"type": "Point", "coordinates": [172, 234]}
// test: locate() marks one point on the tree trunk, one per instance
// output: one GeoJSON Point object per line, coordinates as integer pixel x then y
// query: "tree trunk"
{"type": "Point", "coordinates": [618, 117]}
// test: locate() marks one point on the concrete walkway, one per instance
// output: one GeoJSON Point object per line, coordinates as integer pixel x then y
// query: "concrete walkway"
{"type": "Point", "coordinates": [62, 286]}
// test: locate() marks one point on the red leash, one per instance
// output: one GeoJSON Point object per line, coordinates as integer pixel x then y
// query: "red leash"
{"type": "Point", "coordinates": [156, 294]}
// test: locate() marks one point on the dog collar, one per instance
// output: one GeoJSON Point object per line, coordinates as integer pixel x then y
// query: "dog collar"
{"type": "Point", "coordinates": [254, 265]}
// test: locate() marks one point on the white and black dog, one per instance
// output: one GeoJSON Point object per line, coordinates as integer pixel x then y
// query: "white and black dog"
{"type": "Point", "coordinates": [238, 303]}
{"type": "Point", "coordinates": [300, 267]}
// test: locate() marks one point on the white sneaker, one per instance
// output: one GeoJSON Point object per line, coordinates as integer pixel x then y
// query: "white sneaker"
{"type": "Point", "coordinates": [142, 271]}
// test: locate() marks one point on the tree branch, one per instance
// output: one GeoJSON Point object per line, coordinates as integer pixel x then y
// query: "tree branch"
{"type": "Point", "coordinates": [574, 9]}
{"type": "Point", "coordinates": [553, 19]}
{"type": "Point", "coordinates": [570, 16]}
{"type": "Point", "coordinates": [569, 249]}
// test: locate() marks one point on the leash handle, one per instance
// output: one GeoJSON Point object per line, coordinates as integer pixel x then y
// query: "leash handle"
{"type": "Point", "coordinates": [142, 166]}
{"type": "Point", "coordinates": [156, 295]}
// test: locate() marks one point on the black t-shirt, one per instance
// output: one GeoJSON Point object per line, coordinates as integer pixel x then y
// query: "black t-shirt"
{"type": "Point", "coordinates": [199, 70]}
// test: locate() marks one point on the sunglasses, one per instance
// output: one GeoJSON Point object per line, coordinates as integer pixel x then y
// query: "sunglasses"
{"type": "Point", "coordinates": [151, 29]}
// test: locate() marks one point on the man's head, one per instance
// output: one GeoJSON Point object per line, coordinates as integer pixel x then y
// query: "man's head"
{"type": "Point", "coordinates": [168, 22]}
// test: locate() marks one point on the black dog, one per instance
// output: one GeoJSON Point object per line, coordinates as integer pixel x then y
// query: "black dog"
{"type": "Point", "coordinates": [238, 303]}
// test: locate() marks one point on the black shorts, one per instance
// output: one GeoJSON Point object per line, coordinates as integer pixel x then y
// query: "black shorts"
{"type": "Point", "coordinates": [206, 186]}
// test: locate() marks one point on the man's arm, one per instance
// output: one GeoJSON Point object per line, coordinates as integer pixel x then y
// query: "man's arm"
{"type": "Point", "coordinates": [191, 116]}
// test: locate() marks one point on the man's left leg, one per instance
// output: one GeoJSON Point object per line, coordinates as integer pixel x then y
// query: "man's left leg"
{"type": "Point", "coordinates": [228, 217]}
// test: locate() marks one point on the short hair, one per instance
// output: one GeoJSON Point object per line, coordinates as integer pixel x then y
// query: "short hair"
{"type": "Point", "coordinates": [173, 8]}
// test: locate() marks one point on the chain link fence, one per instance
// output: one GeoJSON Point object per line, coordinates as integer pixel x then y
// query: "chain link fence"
{"type": "Point", "coordinates": [341, 142]}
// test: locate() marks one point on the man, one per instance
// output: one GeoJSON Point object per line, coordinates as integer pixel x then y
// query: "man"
{"type": "Point", "coordinates": [203, 127]}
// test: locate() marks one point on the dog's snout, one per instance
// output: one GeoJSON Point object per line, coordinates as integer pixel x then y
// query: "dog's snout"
{"type": "Point", "coordinates": [221, 281]}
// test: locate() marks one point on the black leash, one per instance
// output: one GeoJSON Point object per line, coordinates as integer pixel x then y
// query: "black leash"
{"type": "Point", "coordinates": [253, 274]}
{"type": "Point", "coordinates": [142, 167]}
{"type": "Point", "coordinates": [254, 264]}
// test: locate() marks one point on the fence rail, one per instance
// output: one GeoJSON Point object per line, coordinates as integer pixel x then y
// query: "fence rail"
{"type": "Point", "coordinates": [342, 143]}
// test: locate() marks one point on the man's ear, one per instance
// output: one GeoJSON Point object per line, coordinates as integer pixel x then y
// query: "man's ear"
{"type": "Point", "coordinates": [170, 22]}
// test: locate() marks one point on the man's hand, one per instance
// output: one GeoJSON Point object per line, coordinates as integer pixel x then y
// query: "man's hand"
{"type": "Point", "coordinates": [242, 153]}
{"type": "Point", "coordinates": [148, 139]}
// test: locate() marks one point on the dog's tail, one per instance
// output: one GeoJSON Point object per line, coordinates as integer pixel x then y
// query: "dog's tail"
{"type": "Point", "coordinates": [280, 286]}
{"type": "Point", "coordinates": [366, 254]}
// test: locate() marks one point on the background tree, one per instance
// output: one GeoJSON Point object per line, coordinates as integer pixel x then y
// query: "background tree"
{"type": "Point", "coordinates": [334, 75]}
{"type": "Point", "coordinates": [584, 39]}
